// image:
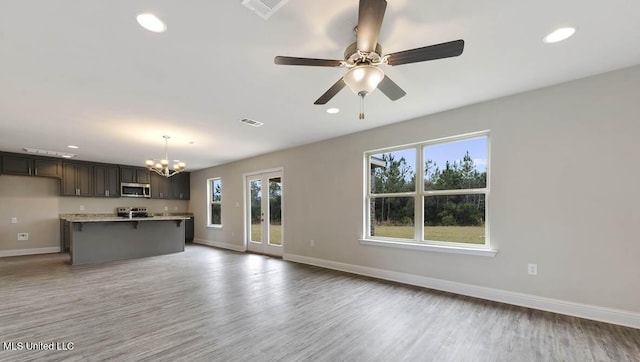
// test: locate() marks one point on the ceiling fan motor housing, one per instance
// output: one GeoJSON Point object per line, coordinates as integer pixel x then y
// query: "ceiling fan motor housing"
{"type": "Point", "coordinates": [353, 57]}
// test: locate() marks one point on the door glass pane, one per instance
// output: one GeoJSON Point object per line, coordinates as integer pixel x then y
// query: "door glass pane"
{"type": "Point", "coordinates": [256, 210]}
{"type": "Point", "coordinates": [275, 211]}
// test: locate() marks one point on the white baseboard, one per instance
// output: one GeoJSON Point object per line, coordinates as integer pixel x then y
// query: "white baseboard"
{"type": "Point", "coordinates": [597, 313]}
{"type": "Point", "coordinates": [218, 244]}
{"type": "Point", "coordinates": [19, 252]}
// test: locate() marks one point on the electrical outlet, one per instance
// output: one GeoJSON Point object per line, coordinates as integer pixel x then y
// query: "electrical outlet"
{"type": "Point", "coordinates": [81, 207]}
{"type": "Point", "coordinates": [14, 220]}
{"type": "Point", "coordinates": [166, 208]}
{"type": "Point", "coordinates": [23, 236]}
{"type": "Point", "coordinates": [532, 269]}
{"type": "Point", "coordinates": [312, 243]}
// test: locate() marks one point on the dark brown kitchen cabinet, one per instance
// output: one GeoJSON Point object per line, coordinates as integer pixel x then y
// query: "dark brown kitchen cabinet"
{"type": "Point", "coordinates": [180, 184]}
{"type": "Point", "coordinates": [106, 181]}
{"type": "Point", "coordinates": [77, 179]}
{"type": "Point", "coordinates": [134, 175]}
{"type": "Point", "coordinates": [160, 187]}
{"type": "Point", "coordinates": [173, 188]}
{"type": "Point", "coordinates": [29, 166]}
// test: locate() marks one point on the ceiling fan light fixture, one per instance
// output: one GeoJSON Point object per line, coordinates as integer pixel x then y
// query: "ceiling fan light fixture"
{"type": "Point", "coordinates": [363, 79]}
{"type": "Point", "coordinates": [559, 35]}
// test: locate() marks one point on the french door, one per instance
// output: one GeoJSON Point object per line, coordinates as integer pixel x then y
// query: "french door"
{"type": "Point", "coordinates": [263, 221]}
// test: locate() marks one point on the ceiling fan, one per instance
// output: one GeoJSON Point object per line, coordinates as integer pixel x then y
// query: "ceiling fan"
{"type": "Point", "coordinates": [364, 57]}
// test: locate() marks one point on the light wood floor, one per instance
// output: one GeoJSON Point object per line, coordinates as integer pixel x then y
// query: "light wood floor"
{"type": "Point", "coordinates": [214, 305]}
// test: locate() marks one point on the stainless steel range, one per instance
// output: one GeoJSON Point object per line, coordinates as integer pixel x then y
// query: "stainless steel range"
{"type": "Point", "coordinates": [131, 212]}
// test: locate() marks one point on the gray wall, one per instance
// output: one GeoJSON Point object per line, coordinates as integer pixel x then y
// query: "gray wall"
{"type": "Point", "coordinates": [35, 201]}
{"type": "Point", "coordinates": [564, 194]}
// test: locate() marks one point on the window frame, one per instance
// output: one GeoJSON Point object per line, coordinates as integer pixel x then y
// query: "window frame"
{"type": "Point", "coordinates": [211, 202]}
{"type": "Point", "coordinates": [419, 242]}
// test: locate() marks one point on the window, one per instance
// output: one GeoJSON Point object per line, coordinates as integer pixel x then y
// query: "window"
{"type": "Point", "coordinates": [431, 193]}
{"type": "Point", "coordinates": [214, 197]}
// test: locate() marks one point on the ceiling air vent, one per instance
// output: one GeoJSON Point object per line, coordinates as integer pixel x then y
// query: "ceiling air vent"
{"type": "Point", "coordinates": [251, 122]}
{"type": "Point", "coordinates": [264, 8]}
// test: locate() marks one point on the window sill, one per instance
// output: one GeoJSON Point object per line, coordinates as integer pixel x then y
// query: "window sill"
{"type": "Point", "coordinates": [431, 247]}
{"type": "Point", "coordinates": [214, 226]}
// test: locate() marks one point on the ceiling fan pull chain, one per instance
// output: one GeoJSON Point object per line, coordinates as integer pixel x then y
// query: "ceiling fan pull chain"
{"type": "Point", "coordinates": [361, 115]}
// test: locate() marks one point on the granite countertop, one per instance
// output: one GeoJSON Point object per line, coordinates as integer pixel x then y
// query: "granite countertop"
{"type": "Point", "coordinates": [115, 218]}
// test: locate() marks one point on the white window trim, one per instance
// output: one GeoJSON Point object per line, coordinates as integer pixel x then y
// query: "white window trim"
{"type": "Point", "coordinates": [417, 243]}
{"type": "Point", "coordinates": [209, 202]}
{"type": "Point", "coordinates": [431, 246]}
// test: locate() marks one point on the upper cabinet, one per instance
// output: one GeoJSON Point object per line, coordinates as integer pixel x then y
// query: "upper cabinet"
{"type": "Point", "coordinates": [174, 188]}
{"type": "Point", "coordinates": [180, 184]}
{"type": "Point", "coordinates": [134, 175]}
{"type": "Point", "coordinates": [160, 187]}
{"type": "Point", "coordinates": [106, 181]}
{"type": "Point", "coordinates": [77, 179]}
{"type": "Point", "coordinates": [81, 178]}
{"type": "Point", "coordinates": [31, 166]}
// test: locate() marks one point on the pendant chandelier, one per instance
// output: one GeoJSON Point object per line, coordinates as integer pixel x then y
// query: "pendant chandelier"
{"type": "Point", "coordinates": [162, 167]}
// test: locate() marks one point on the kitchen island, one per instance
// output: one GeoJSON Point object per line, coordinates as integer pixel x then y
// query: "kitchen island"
{"type": "Point", "coordinates": [95, 239]}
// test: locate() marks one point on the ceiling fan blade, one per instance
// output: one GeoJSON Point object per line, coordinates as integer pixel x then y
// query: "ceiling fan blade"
{"type": "Point", "coordinates": [431, 52]}
{"type": "Point", "coordinates": [391, 89]}
{"type": "Point", "coordinates": [307, 61]}
{"type": "Point", "coordinates": [326, 97]}
{"type": "Point", "coordinates": [370, 15]}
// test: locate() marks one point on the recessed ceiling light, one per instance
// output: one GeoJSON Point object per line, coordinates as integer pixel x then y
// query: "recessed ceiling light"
{"type": "Point", "coordinates": [151, 23]}
{"type": "Point", "coordinates": [559, 35]}
{"type": "Point", "coordinates": [73, 146]}
{"type": "Point", "coordinates": [333, 110]}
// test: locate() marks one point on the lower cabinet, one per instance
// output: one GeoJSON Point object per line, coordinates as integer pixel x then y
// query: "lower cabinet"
{"type": "Point", "coordinates": [189, 228]}
{"type": "Point", "coordinates": [65, 235]}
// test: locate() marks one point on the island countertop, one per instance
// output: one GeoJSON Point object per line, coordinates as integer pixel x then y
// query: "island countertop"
{"type": "Point", "coordinates": [120, 219]}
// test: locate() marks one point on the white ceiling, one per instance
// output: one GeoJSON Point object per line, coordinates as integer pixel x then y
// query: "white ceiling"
{"type": "Point", "coordinates": [84, 72]}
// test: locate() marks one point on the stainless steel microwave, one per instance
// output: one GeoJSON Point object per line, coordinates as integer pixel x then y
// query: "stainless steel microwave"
{"type": "Point", "coordinates": [135, 190]}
